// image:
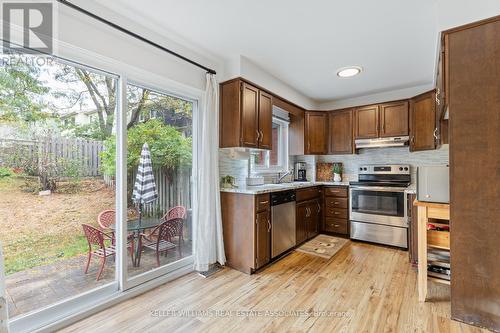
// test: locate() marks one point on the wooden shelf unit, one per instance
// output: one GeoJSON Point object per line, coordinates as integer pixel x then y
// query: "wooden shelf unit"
{"type": "Point", "coordinates": [439, 240]}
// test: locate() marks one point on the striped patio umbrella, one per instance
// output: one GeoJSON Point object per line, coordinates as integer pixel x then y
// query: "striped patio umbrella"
{"type": "Point", "coordinates": [144, 187]}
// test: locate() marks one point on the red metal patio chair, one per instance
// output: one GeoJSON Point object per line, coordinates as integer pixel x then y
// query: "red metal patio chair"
{"type": "Point", "coordinates": [177, 212]}
{"type": "Point", "coordinates": [165, 233]}
{"type": "Point", "coordinates": [96, 237]}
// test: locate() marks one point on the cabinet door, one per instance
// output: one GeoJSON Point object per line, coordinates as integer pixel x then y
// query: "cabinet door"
{"type": "Point", "coordinates": [314, 221]}
{"type": "Point", "coordinates": [366, 122]}
{"type": "Point", "coordinates": [340, 132]}
{"type": "Point", "coordinates": [302, 216]}
{"type": "Point", "coordinates": [316, 133]}
{"type": "Point", "coordinates": [394, 119]}
{"type": "Point", "coordinates": [249, 116]}
{"type": "Point", "coordinates": [262, 239]}
{"type": "Point", "coordinates": [265, 120]}
{"type": "Point", "coordinates": [423, 122]}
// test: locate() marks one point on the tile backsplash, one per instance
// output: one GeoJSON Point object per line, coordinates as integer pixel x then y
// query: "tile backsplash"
{"type": "Point", "coordinates": [238, 168]}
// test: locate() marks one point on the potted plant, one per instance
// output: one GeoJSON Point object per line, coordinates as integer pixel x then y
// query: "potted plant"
{"type": "Point", "coordinates": [337, 172]}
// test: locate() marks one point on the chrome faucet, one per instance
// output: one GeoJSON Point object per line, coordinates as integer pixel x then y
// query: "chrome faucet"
{"type": "Point", "coordinates": [281, 176]}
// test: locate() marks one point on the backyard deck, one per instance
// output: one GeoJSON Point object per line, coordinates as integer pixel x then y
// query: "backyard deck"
{"type": "Point", "coordinates": [38, 287]}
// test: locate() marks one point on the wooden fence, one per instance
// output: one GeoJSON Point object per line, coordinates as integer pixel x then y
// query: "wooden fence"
{"type": "Point", "coordinates": [83, 154]}
{"type": "Point", "coordinates": [174, 189]}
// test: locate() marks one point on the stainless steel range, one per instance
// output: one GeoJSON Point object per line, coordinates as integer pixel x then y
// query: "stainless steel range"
{"type": "Point", "coordinates": [378, 210]}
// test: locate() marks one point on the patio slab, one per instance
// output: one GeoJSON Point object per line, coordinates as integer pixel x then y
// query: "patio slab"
{"type": "Point", "coordinates": [41, 286]}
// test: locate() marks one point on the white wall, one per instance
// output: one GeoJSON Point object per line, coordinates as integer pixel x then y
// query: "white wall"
{"type": "Point", "coordinates": [453, 13]}
{"type": "Point", "coordinates": [376, 98]}
{"type": "Point", "coordinates": [247, 69]}
{"type": "Point", "coordinates": [83, 39]}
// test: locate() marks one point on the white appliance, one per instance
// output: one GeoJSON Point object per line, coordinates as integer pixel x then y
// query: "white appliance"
{"type": "Point", "coordinates": [433, 184]}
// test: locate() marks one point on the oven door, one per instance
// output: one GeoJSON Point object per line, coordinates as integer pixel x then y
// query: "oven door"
{"type": "Point", "coordinates": [380, 205]}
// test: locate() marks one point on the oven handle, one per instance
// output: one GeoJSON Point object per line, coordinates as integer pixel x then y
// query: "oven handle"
{"type": "Point", "coordinates": [377, 189]}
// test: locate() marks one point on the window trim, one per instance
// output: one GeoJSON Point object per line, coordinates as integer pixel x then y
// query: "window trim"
{"type": "Point", "coordinates": [283, 158]}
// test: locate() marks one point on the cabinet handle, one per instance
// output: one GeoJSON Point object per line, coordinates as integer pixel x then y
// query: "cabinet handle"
{"type": "Point", "coordinates": [264, 202]}
{"type": "Point", "coordinates": [336, 225]}
{"type": "Point", "coordinates": [319, 207]}
{"type": "Point", "coordinates": [268, 225]}
{"type": "Point", "coordinates": [438, 102]}
{"type": "Point", "coordinates": [336, 203]}
{"type": "Point", "coordinates": [435, 133]}
{"type": "Point", "coordinates": [258, 135]}
{"type": "Point", "coordinates": [308, 212]}
{"type": "Point", "coordinates": [412, 141]}
{"type": "Point", "coordinates": [336, 213]}
{"type": "Point", "coordinates": [261, 136]}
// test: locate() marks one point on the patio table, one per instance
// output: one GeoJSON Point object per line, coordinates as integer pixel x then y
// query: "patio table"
{"type": "Point", "coordinates": [136, 228]}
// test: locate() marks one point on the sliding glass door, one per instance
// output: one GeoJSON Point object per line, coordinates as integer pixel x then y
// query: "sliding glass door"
{"type": "Point", "coordinates": [74, 232]}
{"type": "Point", "coordinates": [57, 204]}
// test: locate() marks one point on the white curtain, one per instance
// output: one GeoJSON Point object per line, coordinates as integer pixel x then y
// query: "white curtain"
{"type": "Point", "coordinates": [4, 328]}
{"type": "Point", "coordinates": [209, 246]}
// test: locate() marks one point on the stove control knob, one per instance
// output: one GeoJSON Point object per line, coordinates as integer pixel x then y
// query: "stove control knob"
{"type": "Point", "coordinates": [360, 169]}
{"type": "Point", "coordinates": [400, 168]}
{"type": "Point", "coordinates": [406, 168]}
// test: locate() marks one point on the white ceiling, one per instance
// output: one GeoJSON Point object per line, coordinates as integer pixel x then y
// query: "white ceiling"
{"type": "Point", "coordinates": [303, 43]}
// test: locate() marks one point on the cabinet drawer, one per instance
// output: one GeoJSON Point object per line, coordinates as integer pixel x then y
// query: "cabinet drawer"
{"type": "Point", "coordinates": [439, 239]}
{"type": "Point", "coordinates": [262, 202]}
{"type": "Point", "coordinates": [334, 202]}
{"type": "Point", "coordinates": [336, 225]}
{"type": "Point", "coordinates": [336, 192]}
{"type": "Point", "coordinates": [340, 213]}
{"type": "Point", "coordinates": [307, 193]}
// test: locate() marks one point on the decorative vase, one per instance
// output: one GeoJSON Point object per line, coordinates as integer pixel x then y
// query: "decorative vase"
{"type": "Point", "coordinates": [336, 177]}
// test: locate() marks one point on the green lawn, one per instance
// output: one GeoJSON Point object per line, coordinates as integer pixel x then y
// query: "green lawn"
{"type": "Point", "coordinates": [39, 230]}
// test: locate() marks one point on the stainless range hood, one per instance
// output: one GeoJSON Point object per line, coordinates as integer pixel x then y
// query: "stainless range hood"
{"type": "Point", "coordinates": [396, 141]}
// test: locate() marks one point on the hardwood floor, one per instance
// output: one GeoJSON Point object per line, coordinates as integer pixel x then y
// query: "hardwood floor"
{"type": "Point", "coordinates": [367, 288]}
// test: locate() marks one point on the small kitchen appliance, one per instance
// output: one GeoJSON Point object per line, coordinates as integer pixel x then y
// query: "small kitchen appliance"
{"type": "Point", "coordinates": [433, 184]}
{"type": "Point", "coordinates": [299, 172]}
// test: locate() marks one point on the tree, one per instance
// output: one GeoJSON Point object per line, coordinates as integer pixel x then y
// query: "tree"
{"type": "Point", "coordinates": [21, 93]}
{"type": "Point", "coordinates": [169, 149]}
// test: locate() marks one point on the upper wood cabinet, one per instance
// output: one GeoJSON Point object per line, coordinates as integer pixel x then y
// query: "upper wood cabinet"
{"type": "Point", "coordinates": [316, 132]}
{"type": "Point", "coordinates": [393, 118]}
{"type": "Point", "coordinates": [265, 120]}
{"type": "Point", "coordinates": [381, 120]}
{"type": "Point", "coordinates": [366, 122]}
{"type": "Point", "coordinates": [423, 122]}
{"type": "Point", "coordinates": [340, 132]}
{"type": "Point", "coordinates": [245, 116]}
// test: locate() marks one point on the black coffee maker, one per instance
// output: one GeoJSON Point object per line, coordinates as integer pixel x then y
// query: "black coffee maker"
{"type": "Point", "coordinates": [299, 172]}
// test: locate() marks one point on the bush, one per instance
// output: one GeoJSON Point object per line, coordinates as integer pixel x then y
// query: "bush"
{"type": "Point", "coordinates": [5, 172]}
{"type": "Point", "coordinates": [168, 147]}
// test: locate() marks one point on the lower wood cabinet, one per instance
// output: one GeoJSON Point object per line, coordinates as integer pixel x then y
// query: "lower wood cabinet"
{"type": "Point", "coordinates": [246, 223]}
{"type": "Point", "coordinates": [336, 210]}
{"type": "Point", "coordinates": [308, 214]}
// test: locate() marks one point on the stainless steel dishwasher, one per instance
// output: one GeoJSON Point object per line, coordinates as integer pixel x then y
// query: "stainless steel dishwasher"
{"type": "Point", "coordinates": [283, 222]}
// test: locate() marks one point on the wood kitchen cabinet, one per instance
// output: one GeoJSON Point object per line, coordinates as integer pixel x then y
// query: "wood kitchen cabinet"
{"type": "Point", "coordinates": [366, 122]}
{"type": "Point", "coordinates": [423, 122]}
{"type": "Point", "coordinates": [246, 223]}
{"type": "Point", "coordinates": [381, 120]}
{"type": "Point", "coordinates": [245, 116]}
{"type": "Point", "coordinates": [336, 210]}
{"type": "Point", "coordinates": [308, 213]}
{"type": "Point", "coordinates": [316, 133]}
{"type": "Point", "coordinates": [340, 132]}
{"type": "Point", "coordinates": [393, 118]}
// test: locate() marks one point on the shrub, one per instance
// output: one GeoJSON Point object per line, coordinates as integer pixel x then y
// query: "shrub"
{"type": "Point", "coordinates": [169, 149]}
{"type": "Point", "coordinates": [5, 172]}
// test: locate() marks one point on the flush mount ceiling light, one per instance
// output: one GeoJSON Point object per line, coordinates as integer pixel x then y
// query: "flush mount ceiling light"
{"type": "Point", "coordinates": [349, 71]}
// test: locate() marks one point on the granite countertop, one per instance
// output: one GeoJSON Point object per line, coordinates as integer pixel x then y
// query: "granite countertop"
{"type": "Point", "coordinates": [267, 188]}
